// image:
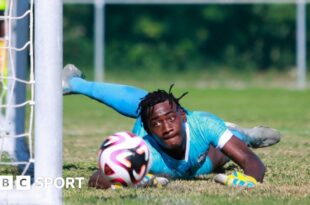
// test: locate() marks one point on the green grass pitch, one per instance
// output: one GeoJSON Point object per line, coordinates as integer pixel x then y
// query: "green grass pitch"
{"type": "Point", "coordinates": [287, 180]}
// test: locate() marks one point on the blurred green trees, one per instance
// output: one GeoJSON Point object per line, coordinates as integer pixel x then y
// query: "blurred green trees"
{"type": "Point", "coordinates": [182, 37]}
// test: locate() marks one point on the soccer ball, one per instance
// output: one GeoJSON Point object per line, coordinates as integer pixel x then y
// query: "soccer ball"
{"type": "Point", "coordinates": [124, 158]}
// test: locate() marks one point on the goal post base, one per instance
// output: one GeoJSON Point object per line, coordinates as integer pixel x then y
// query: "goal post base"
{"type": "Point", "coordinates": [32, 196]}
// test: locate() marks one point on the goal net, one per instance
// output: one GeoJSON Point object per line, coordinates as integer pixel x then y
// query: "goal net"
{"type": "Point", "coordinates": [14, 138]}
{"type": "Point", "coordinates": [30, 101]}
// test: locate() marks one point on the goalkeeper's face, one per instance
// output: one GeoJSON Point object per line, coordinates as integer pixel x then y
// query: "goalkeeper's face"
{"type": "Point", "coordinates": [167, 125]}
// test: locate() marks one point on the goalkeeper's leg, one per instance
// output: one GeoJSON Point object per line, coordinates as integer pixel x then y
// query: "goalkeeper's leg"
{"type": "Point", "coordinates": [255, 137]}
{"type": "Point", "coordinates": [122, 98]}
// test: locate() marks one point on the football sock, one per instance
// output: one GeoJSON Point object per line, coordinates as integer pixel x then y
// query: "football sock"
{"type": "Point", "coordinates": [124, 99]}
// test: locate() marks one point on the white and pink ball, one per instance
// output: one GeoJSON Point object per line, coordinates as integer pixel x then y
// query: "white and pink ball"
{"type": "Point", "coordinates": [124, 158]}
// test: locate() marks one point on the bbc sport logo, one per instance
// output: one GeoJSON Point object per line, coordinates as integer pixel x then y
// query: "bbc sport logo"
{"type": "Point", "coordinates": [21, 183]}
{"type": "Point", "coordinates": [24, 182]}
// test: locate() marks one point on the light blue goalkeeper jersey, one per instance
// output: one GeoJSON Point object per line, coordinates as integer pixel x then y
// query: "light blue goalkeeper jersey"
{"type": "Point", "coordinates": [203, 129]}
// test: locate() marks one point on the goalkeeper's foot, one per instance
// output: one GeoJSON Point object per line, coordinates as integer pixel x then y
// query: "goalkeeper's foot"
{"type": "Point", "coordinates": [259, 136]}
{"type": "Point", "coordinates": [69, 72]}
{"type": "Point", "coordinates": [263, 136]}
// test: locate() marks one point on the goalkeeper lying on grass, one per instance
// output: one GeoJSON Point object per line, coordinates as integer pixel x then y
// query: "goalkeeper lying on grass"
{"type": "Point", "coordinates": [183, 143]}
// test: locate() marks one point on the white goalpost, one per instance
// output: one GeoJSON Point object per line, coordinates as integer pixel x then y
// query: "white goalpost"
{"type": "Point", "coordinates": [39, 93]}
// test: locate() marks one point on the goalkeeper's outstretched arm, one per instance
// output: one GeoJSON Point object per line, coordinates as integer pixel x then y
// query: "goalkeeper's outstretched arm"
{"type": "Point", "coordinates": [98, 181]}
{"type": "Point", "coordinates": [238, 151]}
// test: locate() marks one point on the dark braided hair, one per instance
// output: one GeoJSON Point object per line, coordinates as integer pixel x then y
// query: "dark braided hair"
{"type": "Point", "coordinates": [148, 102]}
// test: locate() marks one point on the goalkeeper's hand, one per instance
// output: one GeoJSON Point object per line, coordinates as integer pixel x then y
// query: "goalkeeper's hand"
{"type": "Point", "coordinates": [151, 180]}
{"type": "Point", "coordinates": [236, 179]}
